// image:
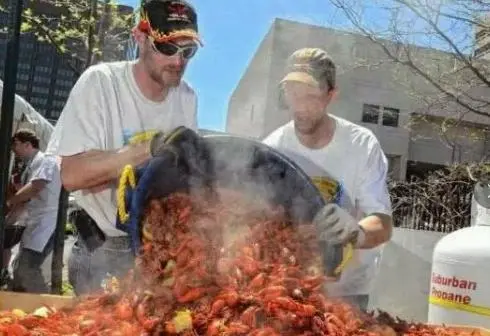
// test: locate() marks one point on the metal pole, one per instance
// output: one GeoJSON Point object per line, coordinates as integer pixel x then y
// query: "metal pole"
{"type": "Point", "coordinates": [59, 244]}
{"type": "Point", "coordinates": [8, 105]}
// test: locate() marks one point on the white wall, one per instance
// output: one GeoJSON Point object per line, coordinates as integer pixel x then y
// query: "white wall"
{"type": "Point", "coordinates": [403, 283]}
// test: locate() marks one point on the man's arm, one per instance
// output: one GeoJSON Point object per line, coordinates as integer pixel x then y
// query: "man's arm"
{"type": "Point", "coordinates": [374, 199]}
{"type": "Point", "coordinates": [30, 190]}
{"type": "Point", "coordinates": [96, 168]}
{"type": "Point", "coordinates": [80, 138]}
{"type": "Point", "coordinates": [378, 229]}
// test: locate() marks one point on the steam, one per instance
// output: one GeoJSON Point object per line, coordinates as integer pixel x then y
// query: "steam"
{"type": "Point", "coordinates": [259, 174]}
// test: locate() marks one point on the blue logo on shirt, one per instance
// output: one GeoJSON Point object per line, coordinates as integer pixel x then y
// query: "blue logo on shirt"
{"type": "Point", "coordinates": [133, 137]}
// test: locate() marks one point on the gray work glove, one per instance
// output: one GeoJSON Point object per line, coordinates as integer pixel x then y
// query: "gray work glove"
{"type": "Point", "coordinates": [181, 139]}
{"type": "Point", "coordinates": [189, 150]}
{"type": "Point", "coordinates": [337, 226]}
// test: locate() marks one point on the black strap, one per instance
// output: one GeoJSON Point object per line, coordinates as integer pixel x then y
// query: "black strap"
{"type": "Point", "coordinates": [88, 230]}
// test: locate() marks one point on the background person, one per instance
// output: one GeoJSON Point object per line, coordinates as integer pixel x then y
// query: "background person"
{"type": "Point", "coordinates": [346, 163]}
{"type": "Point", "coordinates": [38, 196]}
{"type": "Point", "coordinates": [112, 114]}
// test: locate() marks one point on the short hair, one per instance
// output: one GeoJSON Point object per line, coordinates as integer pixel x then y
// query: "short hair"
{"type": "Point", "coordinates": [26, 135]}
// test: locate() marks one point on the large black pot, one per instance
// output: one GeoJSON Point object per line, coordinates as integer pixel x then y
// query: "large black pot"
{"type": "Point", "coordinates": [253, 167]}
{"type": "Point", "coordinates": [239, 164]}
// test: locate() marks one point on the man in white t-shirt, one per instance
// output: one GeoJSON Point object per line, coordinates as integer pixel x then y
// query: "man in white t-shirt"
{"type": "Point", "coordinates": [110, 119]}
{"type": "Point", "coordinates": [346, 163]}
{"type": "Point", "coordinates": [38, 197]}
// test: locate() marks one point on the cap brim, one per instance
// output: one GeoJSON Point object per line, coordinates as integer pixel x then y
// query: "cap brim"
{"type": "Point", "coordinates": [301, 77]}
{"type": "Point", "coordinates": [188, 34]}
{"type": "Point", "coordinates": [177, 34]}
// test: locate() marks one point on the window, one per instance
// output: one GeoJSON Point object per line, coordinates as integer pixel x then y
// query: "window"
{"type": "Point", "coordinates": [390, 116]}
{"type": "Point", "coordinates": [65, 73]}
{"type": "Point", "coordinates": [370, 113]}
{"type": "Point", "coordinates": [40, 89]}
{"type": "Point", "coordinates": [63, 83]}
{"type": "Point", "coordinates": [61, 93]}
{"type": "Point", "coordinates": [58, 103]}
{"type": "Point", "coordinates": [20, 87]}
{"type": "Point", "coordinates": [42, 79]}
{"type": "Point", "coordinates": [483, 50]}
{"type": "Point", "coordinates": [22, 76]}
{"type": "Point", "coordinates": [382, 115]}
{"type": "Point", "coordinates": [42, 69]}
{"type": "Point", "coordinates": [38, 101]}
{"type": "Point", "coordinates": [55, 113]}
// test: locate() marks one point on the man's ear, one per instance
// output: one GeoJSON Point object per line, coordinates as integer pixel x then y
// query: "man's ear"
{"type": "Point", "coordinates": [332, 94]}
{"type": "Point", "coordinates": [139, 36]}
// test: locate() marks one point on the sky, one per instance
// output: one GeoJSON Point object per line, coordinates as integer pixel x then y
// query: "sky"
{"type": "Point", "coordinates": [232, 32]}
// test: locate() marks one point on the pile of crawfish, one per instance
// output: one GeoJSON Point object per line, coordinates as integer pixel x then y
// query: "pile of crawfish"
{"type": "Point", "coordinates": [207, 267]}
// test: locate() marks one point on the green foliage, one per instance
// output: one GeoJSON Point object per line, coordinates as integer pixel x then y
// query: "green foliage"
{"type": "Point", "coordinates": [67, 289]}
{"type": "Point", "coordinates": [69, 228]}
{"type": "Point", "coordinates": [87, 30]}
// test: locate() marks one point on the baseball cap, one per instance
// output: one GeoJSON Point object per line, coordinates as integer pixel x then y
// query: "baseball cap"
{"type": "Point", "coordinates": [312, 66]}
{"type": "Point", "coordinates": [167, 20]}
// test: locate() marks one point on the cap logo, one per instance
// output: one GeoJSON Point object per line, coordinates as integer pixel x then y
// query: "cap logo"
{"type": "Point", "coordinates": [160, 37]}
{"type": "Point", "coordinates": [178, 12]}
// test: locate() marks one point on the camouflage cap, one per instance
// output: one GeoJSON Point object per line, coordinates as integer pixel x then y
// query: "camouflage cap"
{"type": "Point", "coordinates": [312, 66]}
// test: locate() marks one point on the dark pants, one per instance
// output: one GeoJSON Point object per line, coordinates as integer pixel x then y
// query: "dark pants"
{"type": "Point", "coordinates": [360, 301]}
{"type": "Point", "coordinates": [88, 269]}
{"type": "Point", "coordinates": [28, 274]}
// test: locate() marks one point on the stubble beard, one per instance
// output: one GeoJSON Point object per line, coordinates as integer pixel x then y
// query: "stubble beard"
{"type": "Point", "coordinates": [310, 128]}
{"type": "Point", "coordinates": [167, 77]}
{"type": "Point", "coordinates": [163, 77]}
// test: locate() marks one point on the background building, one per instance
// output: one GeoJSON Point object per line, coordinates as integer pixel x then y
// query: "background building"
{"type": "Point", "coordinates": [373, 92]}
{"type": "Point", "coordinates": [482, 39]}
{"type": "Point", "coordinates": [44, 77]}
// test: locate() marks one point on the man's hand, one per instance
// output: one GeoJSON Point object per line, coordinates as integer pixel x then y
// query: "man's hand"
{"type": "Point", "coordinates": [187, 146]}
{"type": "Point", "coordinates": [182, 138]}
{"type": "Point", "coordinates": [337, 226]}
{"type": "Point", "coordinates": [13, 213]}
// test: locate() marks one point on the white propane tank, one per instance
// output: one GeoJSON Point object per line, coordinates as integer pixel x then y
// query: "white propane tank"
{"type": "Point", "coordinates": [460, 279]}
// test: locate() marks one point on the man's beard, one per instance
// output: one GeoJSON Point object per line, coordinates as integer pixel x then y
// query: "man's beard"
{"type": "Point", "coordinates": [169, 77]}
{"type": "Point", "coordinates": [309, 127]}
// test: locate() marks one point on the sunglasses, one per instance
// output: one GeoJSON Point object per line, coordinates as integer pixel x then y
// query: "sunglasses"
{"type": "Point", "coordinates": [170, 49]}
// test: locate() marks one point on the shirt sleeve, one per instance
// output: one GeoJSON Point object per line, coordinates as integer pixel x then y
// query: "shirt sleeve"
{"type": "Point", "coordinates": [194, 104]}
{"type": "Point", "coordinates": [80, 126]}
{"type": "Point", "coordinates": [44, 169]}
{"type": "Point", "coordinates": [373, 194]}
{"type": "Point", "coordinates": [189, 103]}
{"type": "Point", "coordinates": [274, 139]}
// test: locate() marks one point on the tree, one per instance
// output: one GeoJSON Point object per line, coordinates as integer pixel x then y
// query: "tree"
{"type": "Point", "coordinates": [441, 201]}
{"type": "Point", "coordinates": [453, 81]}
{"type": "Point", "coordinates": [87, 31]}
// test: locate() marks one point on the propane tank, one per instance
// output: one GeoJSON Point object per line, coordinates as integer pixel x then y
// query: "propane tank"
{"type": "Point", "coordinates": [460, 279]}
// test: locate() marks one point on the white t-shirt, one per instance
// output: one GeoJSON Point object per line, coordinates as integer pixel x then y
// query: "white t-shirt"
{"type": "Point", "coordinates": [105, 111]}
{"type": "Point", "coordinates": [42, 210]}
{"type": "Point", "coordinates": [350, 171]}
